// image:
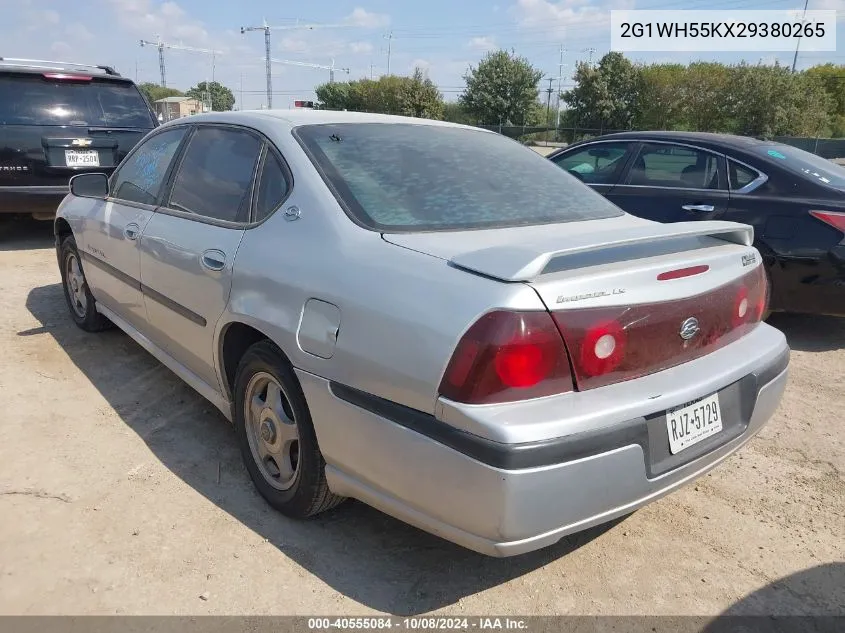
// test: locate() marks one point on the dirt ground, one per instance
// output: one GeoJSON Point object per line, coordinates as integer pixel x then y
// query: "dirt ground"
{"type": "Point", "coordinates": [122, 491]}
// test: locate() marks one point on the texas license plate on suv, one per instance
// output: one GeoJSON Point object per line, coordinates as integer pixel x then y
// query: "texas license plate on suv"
{"type": "Point", "coordinates": [693, 422]}
{"type": "Point", "coordinates": [86, 158]}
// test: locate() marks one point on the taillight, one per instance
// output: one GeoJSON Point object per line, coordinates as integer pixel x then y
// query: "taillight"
{"type": "Point", "coordinates": [613, 344]}
{"type": "Point", "coordinates": [67, 77]}
{"type": "Point", "coordinates": [831, 218]}
{"type": "Point", "coordinates": [507, 356]}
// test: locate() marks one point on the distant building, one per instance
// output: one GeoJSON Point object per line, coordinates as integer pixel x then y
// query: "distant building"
{"type": "Point", "coordinates": [171, 108]}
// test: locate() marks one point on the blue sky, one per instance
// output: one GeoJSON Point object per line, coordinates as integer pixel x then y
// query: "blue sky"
{"type": "Point", "coordinates": [442, 36]}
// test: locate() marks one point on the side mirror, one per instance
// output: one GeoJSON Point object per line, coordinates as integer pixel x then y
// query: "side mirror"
{"type": "Point", "coordinates": [90, 186]}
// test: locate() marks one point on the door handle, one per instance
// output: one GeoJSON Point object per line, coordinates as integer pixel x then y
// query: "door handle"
{"type": "Point", "coordinates": [213, 259]}
{"type": "Point", "coordinates": [704, 208]}
{"type": "Point", "coordinates": [131, 231]}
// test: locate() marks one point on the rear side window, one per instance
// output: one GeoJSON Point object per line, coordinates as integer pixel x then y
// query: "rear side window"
{"type": "Point", "coordinates": [215, 177]}
{"type": "Point", "coordinates": [140, 178]}
{"type": "Point", "coordinates": [405, 177]}
{"type": "Point", "coordinates": [664, 165]}
{"type": "Point", "coordinates": [272, 188]}
{"type": "Point", "coordinates": [740, 176]}
{"type": "Point", "coordinates": [36, 100]}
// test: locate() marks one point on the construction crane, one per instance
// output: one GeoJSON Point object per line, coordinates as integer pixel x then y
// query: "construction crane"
{"type": "Point", "coordinates": [160, 46]}
{"type": "Point", "coordinates": [267, 52]}
{"type": "Point", "coordinates": [331, 68]}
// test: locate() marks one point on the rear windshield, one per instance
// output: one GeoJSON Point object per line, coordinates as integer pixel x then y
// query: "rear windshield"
{"type": "Point", "coordinates": [35, 100]}
{"type": "Point", "coordinates": [405, 177]}
{"type": "Point", "coordinates": [805, 164]}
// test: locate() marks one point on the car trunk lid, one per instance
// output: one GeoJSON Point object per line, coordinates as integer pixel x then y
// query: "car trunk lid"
{"type": "Point", "coordinates": [630, 297]}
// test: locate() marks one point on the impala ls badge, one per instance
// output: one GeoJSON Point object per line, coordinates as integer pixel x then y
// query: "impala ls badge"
{"type": "Point", "coordinates": [689, 328]}
{"type": "Point", "coordinates": [81, 142]}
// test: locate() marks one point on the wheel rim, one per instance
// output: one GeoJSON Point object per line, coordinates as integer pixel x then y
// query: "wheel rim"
{"type": "Point", "coordinates": [75, 282]}
{"type": "Point", "coordinates": [272, 431]}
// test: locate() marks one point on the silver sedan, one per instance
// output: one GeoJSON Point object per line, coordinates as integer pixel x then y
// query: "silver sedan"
{"type": "Point", "coordinates": [427, 317]}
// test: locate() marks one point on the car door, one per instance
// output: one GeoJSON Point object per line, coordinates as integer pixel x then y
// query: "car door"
{"type": "Point", "coordinates": [189, 245]}
{"type": "Point", "coordinates": [673, 182]}
{"type": "Point", "coordinates": [112, 228]}
{"type": "Point", "coordinates": [599, 164]}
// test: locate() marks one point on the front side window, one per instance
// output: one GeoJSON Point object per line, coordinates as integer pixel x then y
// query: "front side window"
{"type": "Point", "coordinates": [664, 165]}
{"type": "Point", "coordinates": [215, 177]}
{"type": "Point", "coordinates": [401, 177]}
{"type": "Point", "coordinates": [598, 164]}
{"type": "Point", "coordinates": [141, 176]}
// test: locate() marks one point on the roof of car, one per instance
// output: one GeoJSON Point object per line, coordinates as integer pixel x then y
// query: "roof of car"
{"type": "Point", "coordinates": [297, 117]}
{"type": "Point", "coordinates": [729, 140]}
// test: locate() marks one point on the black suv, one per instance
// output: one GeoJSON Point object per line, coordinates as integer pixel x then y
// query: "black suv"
{"type": "Point", "coordinates": [58, 119]}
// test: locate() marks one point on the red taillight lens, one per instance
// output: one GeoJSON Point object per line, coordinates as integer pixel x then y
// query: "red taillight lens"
{"type": "Point", "coordinates": [508, 356]}
{"type": "Point", "coordinates": [67, 77]}
{"type": "Point", "coordinates": [618, 343]}
{"type": "Point", "coordinates": [831, 218]}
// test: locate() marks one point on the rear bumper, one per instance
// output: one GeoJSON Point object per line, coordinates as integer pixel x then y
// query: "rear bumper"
{"type": "Point", "coordinates": [493, 500]}
{"type": "Point", "coordinates": [810, 286]}
{"type": "Point", "coordinates": [31, 199]}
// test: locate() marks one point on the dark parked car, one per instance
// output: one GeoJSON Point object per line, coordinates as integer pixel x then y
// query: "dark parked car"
{"type": "Point", "coordinates": [795, 200]}
{"type": "Point", "coordinates": [58, 119]}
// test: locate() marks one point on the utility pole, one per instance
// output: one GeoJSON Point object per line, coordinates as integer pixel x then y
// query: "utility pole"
{"type": "Point", "coordinates": [372, 66]}
{"type": "Point", "coordinates": [590, 51]}
{"type": "Point", "coordinates": [241, 104]}
{"type": "Point", "coordinates": [559, 86]}
{"type": "Point", "coordinates": [798, 41]}
{"type": "Point", "coordinates": [389, 38]}
{"type": "Point", "coordinates": [267, 51]}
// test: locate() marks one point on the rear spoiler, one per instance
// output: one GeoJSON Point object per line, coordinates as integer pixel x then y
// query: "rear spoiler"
{"type": "Point", "coordinates": [525, 263]}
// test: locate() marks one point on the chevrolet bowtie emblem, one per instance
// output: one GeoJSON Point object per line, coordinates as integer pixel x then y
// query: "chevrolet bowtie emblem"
{"type": "Point", "coordinates": [81, 142]}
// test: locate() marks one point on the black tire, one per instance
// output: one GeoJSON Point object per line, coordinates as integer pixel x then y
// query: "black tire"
{"type": "Point", "coordinates": [309, 492]}
{"type": "Point", "coordinates": [85, 316]}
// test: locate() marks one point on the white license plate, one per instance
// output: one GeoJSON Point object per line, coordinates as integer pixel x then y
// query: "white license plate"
{"type": "Point", "coordinates": [693, 422]}
{"type": "Point", "coordinates": [76, 158]}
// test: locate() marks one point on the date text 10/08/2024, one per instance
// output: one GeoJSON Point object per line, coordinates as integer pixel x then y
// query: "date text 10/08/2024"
{"type": "Point", "coordinates": [416, 624]}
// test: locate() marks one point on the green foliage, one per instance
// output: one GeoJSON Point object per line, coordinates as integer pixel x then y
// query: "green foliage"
{"type": "Point", "coordinates": [154, 92]}
{"type": "Point", "coordinates": [501, 89]}
{"type": "Point", "coordinates": [415, 96]}
{"type": "Point", "coordinates": [752, 100]}
{"type": "Point", "coordinates": [454, 112]}
{"type": "Point", "coordinates": [222, 98]}
{"type": "Point", "coordinates": [606, 95]}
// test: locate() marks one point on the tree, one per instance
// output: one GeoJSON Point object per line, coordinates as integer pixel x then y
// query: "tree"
{"type": "Point", "coordinates": [832, 79]}
{"type": "Point", "coordinates": [154, 92]}
{"type": "Point", "coordinates": [222, 98]}
{"type": "Point", "coordinates": [660, 102]}
{"type": "Point", "coordinates": [391, 94]}
{"type": "Point", "coordinates": [419, 97]}
{"type": "Point", "coordinates": [454, 112]}
{"type": "Point", "coordinates": [501, 89]}
{"type": "Point", "coordinates": [608, 95]}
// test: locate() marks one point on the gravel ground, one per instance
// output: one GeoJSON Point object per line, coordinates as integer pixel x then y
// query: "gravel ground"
{"type": "Point", "coordinates": [121, 491]}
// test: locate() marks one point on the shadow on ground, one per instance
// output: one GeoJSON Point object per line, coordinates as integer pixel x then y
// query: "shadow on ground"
{"type": "Point", "coordinates": [811, 333]}
{"type": "Point", "coordinates": [18, 234]}
{"type": "Point", "coordinates": [359, 552]}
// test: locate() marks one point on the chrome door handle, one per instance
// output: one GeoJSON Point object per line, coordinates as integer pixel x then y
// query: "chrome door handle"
{"type": "Point", "coordinates": [704, 208]}
{"type": "Point", "coordinates": [213, 259]}
{"type": "Point", "coordinates": [131, 231]}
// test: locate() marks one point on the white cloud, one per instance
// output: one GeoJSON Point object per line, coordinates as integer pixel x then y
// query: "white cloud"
{"type": "Point", "coordinates": [293, 44]}
{"type": "Point", "coordinates": [78, 32]}
{"type": "Point", "coordinates": [556, 18]}
{"type": "Point", "coordinates": [422, 64]}
{"type": "Point", "coordinates": [365, 19]}
{"type": "Point", "coordinates": [361, 47]}
{"type": "Point", "coordinates": [49, 16]}
{"type": "Point", "coordinates": [485, 43]}
{"type": "Point", "coordinates": [168, 20]}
